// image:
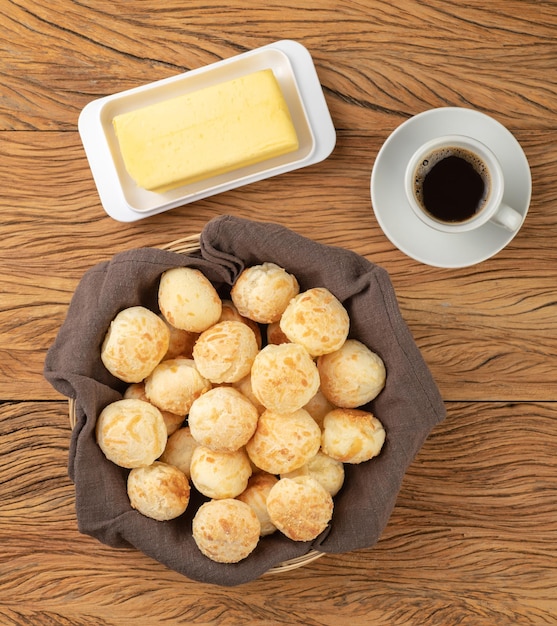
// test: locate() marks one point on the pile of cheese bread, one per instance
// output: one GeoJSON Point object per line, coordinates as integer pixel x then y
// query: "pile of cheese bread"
{"type": "Point", "coordinates": [252, 400]}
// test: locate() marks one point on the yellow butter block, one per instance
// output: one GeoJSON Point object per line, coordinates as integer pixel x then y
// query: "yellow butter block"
{"type": "Point", "coordinates": [205, 133]}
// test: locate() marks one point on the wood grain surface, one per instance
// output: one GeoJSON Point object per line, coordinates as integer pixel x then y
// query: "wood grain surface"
{"type": "Point", "coordinates": [473, 537]}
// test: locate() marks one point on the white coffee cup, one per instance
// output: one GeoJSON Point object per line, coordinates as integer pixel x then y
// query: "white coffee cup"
{"type": "Point", "coordinates": [439, 189]}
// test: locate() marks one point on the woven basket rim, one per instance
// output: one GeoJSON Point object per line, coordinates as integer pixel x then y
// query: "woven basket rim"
{"type": "Point", "coordinates": [187, 245]}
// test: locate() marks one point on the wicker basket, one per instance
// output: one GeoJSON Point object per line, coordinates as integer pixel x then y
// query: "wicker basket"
{"type": "Point", "coordinates": [187, 245]}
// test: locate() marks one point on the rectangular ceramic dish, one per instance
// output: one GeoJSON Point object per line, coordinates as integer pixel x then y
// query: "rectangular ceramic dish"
{"type": "Point", "coordinates": [293, 67]}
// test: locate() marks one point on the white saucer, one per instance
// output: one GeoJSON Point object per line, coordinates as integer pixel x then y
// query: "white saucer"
{"type": "Point", "coordinates": [404, 229]}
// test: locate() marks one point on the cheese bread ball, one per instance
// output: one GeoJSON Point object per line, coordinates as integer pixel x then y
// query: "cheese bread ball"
{"type": "Point", "coordinates": [262, 292]}
{"type": "Point", "coordinates": [284, 441]}
{"type": "Point", "coordinates": [318, 407]}
{"type": "Point", "coordinates": [351, 376]}
{"type": "Point", "coordinates": [275, 334]}
{"type": "Point", "coordinates": [327, 471]}
{"type": "Point", "coordinates": [259, 486]}
{"type": "Point", "coordinates": [218, 474]}
{"type": "Point", "coordinates": [223, 419]}
{"type": "Point", "coordinates": [136, 341]}
{"type": "Point", "coordinates": [179, 450]}
{"type": "Point", "coordinates": [171, 420]}
{"type": "Point", "coordinates": [231, 314]}
{"type": "Point", "coordinates": [174, 385]}
{"type": "Point", "coordinates": [244, 387]}
{"type": "Point", "coordinates": [300, 507]}
{"type": "Point", "coordinates": [284, 377]}
{"type": "Point", "coordinates": [316, 320]}
{"type": "Point", "coordinates": [226, 531]}
{"type": "Point", "coordinates": [188, 300]}
{"type": "Point", "coordinates": [352, 435]}
{"type": "Point", "coordinates": [225, 352]}
{"type": "Point", "coordinates": [181, 341]}
{"type": "Point", "coordinates": [159, 491]}
{"type": "Point", "coordinates": [131, 433]}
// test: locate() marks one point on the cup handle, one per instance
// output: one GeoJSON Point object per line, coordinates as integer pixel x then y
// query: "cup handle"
{"type": "Point", "coordinates": [507, 218]}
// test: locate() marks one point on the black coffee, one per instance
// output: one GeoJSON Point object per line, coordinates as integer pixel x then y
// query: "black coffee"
{"type": "Point", "coordinates": [452, 184]}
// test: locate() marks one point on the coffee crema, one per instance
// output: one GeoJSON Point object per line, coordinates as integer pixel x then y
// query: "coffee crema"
{"type": "Point", "coordinates": [452, 184]}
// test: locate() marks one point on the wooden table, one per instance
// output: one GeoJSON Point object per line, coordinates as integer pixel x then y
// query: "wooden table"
{"type": "Point", "coordinates": [473, 537]}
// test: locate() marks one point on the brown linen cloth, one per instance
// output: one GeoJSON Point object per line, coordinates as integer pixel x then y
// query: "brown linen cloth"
{"type": "Point", "coordinates": [409, 406]}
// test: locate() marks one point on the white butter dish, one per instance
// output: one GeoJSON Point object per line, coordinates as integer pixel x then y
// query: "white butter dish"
{"type": "Point", "coordinates": [293, 67]}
